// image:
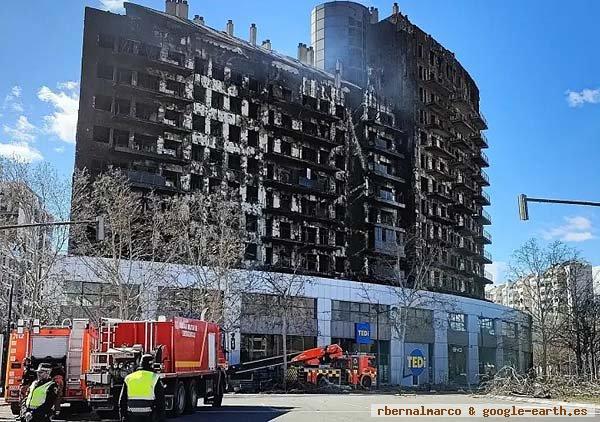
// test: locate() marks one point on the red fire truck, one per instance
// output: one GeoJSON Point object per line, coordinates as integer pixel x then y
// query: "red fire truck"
{"type": "Point", "coordinates": [188, 355]}
{"type": "Point", "coordinates": [67, 348]}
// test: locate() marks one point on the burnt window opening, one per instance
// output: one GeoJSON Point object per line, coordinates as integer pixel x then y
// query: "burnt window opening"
{"type": "Point", "coordinates": [251, 252]}
{"type": "Point", "coordinates": [339, 111]}
{"type": "Point", "coordinates": [252, 194]}
{"type": "Point", "coordinates": [286, 121]}
{"type": "Point", "coordinates": [177, 88]}
{"type": "Point", "coordinates": [235, 133]}
{"type": "Point", "coordinates": [106, 41]}
{"type": "Point", "coordinates": [324, 157]}
{"type": "Point", "coordinates": [200, 65]}
{"type": "Point", "coordinates": [176, 57]}
{"type": "Point", "coordinates": [236, 78]}
{"type": "Point", "coordinates": [308, 101]}
{"type": "Point", "coordinates": [216, 128]}
{"type": "Point", "coordinates": [340, 187]}
{"type": "Point", "coordinates": [309, 235]}
{"type": "Point", "coordinates": [217, 100]}
{"type": "Point", "coordinates": [121, 138]}
{"type": "Point", "coordinates": [340, 136]}
{"type": "Point", "coordinates": [147, 81]}
{"type": "Point", "coordinates": [310, 128]}
{"type": "Point", "coordinates": [103, 102]}
{"type": "Point", "coordinates": [269, 199]}
{"type": "Point", "coordinates": [340, 213]}
{"type": "Point", "coordinates": [105, 71]}
{"type": "Point", "coordinates": [126, 46]}
{"type": "Point", "coordinates": [234, 161]}
{"type": "Point", "coordinates": [215, 156]}
{"type": "Point", "coordinates": [323, 236]}
{"type": "Point", "coordinates": [252, 166]}
{"type": "Point", "coordinates": [214, 185]}
{"type": "Point", "coordinates": [269, 256]}
{"type": "Point", "coordinates": [122, 106]}
{"type": "Point", "coordinates": [146, 111]}
{"type": "Point", "coordinates": [325, 106]}
{"type": "Point", "coordinates": [251, 223]}
{"type": "Point", "coordinates": [197, 152]}
{"type": "Point", "coordinates": [311, 262]}
{"type": "Point", "coordinates": [144, 142]}
{"type": "Point", "coordinates": [199, 94]}
{"type": "Point", "coordinates": [218, 72]}
{"type": "Point", "coordinates": [253, 84]}
{"type": "Point", "coordinates": [124, 76]}
{"type": "Point", "coordinates": [172, 179]}
{"type": "Point", "coordinates": [253, 109]}
{"type": "Point", "coordinates": [340, 238]}
{"type": "Point", "coordinates": [340, 162]}
{"type": "Point", "coordinates": [101, 134]}
{"type": "Point", "coordinates": [286, 148]}
{"type": "Point", "coordinates": [196, 183]}
{"type": "Point", "coordinates": [309, 154]}
{"type": "Point", "coordinates": [285, 202]}
{"type": "Point", "coordinates": [149, 51]}
{"type": "Point", "coordinates": [235, 105]}
{"type": "Point", "coordinates": [340, 264]}
{"type": "Point", "coordinates": [233, 190]}
{"type": "Point", "coordinates": [173, 118]}
{"type": "Point", "coordinates": [285, 230]}
{"type": "Point", "coordinates": [252, 138]}
{"type": "Point", "coordinates": [198, 123]}
{"type": "Point", "coordinates": [323, 263]}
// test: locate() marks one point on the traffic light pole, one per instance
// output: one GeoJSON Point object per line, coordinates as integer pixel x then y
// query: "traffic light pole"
{"type": "Point", "coordinates": [524, 200]}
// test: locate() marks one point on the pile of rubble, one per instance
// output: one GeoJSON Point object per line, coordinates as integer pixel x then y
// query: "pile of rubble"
{"type": "Point", "coordinates": [509, 382]}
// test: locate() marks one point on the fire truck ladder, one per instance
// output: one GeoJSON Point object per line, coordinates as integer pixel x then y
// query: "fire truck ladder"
{"type": "Point", "coordinates": [259, 364]}
{"type": "Point", "coordinates": [75, 352]}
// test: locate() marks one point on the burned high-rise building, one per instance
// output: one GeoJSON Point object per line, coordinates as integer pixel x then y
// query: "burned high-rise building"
{"type": "Point", "coordinates": [371, 135]}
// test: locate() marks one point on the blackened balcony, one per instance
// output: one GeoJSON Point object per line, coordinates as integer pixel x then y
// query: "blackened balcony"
{"type": "Point", "coordinates": [483, 217]}
{"type": "Point", "coordinates": [437, 106]}
{"type": "Point", "coordinates": [463, 183]}
{"type": "Point", "coordinates": [385, 146]}
{"type": "Point", "coordinates": [480, 140]}
{"type": "Point", "coordinates": [481, 159]}
{"type": "Point", "coordinates": [482, 178]}
{"type": "Point", "coordinates": [462, 101]}
{"type": "Point", "coordinates": [462, 205]}
{"type": "Point", "coordinates": [437, 84]}
{"type": "Point", "coordinates": [466, 227]}
{"type": "Point", "coordinates": [461, 124]}
{"type": "Point", "coordinates": [440, 217]}
{"type": "Point", "coordinates": [465, 248]}
{"type": "Point", "coordinates": [438, 171]}
{"type": "Point", "coordinates": [440, 194]}
{"type": "Point", "coordinates": [483, 237]}
{"type": "Point", "coordinates": [296, 183]}
{"type": "Point", "coordinates": [486, 278]}
{"type": "Point", "coordinates": [482, 198]}
{"type": "Point", "coordinates": [479, 121]}
{"type": "Point", "coordinates": [439, 148]}
{"type": "Point", "coordinates": [437, 127]}
{"type": "Point", "coordinates": [385, 197]}
{"type": "Point", "coordinates": [386, 171]}
{"type": "Point", "coordinates": [148, 180]}
{"type": "Point", "coordinates": [487, 257]}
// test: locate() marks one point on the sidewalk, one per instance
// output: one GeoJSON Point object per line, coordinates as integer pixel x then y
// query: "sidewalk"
{"type": "Point", "coordinates": [542, 401]}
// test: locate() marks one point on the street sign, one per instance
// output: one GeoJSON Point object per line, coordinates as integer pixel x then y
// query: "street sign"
{"type": "Point", "coordinates": [416, 362]}
{"type": "Point", "coordinates": [362, 332]}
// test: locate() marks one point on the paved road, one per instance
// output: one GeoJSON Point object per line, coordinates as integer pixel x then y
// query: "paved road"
{"type": "Point", "coordinates": [326, 408]}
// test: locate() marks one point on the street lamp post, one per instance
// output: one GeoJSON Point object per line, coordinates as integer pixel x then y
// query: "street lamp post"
{"type": "Point", "coordinates": [524, 201]}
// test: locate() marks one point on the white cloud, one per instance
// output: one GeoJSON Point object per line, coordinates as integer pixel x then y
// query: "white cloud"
{"type": "Point", "coordinates": [60, 149]}
{"type": "Point", "coordinates": [20, 151]}
{"type": "Point", "coordinates": [498, 271]}
{"type": "Point", "coordinates": [114, 6]}
{"type": "Point", "coordinates": [63, 122]}
{"type": "Point", "coordinates": [12, 100]}
{"type": "Point", "coordinates": [578, 99]}
{"type": "Point", "coordinates": [575, 229]}
{"type": "Point", "coordinates": [23, 131]}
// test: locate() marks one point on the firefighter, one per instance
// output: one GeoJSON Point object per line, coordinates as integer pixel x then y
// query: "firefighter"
{"type": "Point", "coordinates": [39, 404]}
{"type": "Point", "coordinates": [142, 395]}
{"type": "Point", "coordinates": [29, 376]}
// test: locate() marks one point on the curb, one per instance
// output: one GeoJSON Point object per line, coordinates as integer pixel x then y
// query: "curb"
{"type": "Point", "coordinates": [544, 401]}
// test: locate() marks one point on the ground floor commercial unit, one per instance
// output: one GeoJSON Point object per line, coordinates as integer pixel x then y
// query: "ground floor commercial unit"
{"type": "Point", "coordinates": [417, 337]}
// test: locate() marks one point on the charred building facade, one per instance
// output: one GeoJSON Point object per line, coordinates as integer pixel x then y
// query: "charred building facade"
{"type": "Point", "coordinates": [335, 158]}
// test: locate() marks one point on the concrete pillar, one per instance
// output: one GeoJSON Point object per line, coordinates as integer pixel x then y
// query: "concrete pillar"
{"type": "Point", "coordinates": [473, 351]}
{"type": "Point", "coordinates": [499, 344]}
{"type": "Point", "coordinates": [323, 321]}
{"type": "Point", "coordinates": [440, 347]}
{"type": "Point", "coordinates": [396, 359]}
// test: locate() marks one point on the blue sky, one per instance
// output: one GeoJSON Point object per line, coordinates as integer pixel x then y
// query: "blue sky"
{"type": "Point", "coordinates": [534, 61]}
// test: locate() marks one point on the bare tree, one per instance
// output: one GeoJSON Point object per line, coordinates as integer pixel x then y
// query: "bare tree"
{"type": "Point", "coordinates": [31, 194]}
{"type": "Point", "coordinates": [534, 267]}
{"type": "Point", "coordinates": [139, 229]}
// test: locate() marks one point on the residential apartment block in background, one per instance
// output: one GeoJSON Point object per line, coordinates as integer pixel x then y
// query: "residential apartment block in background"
{"type": "Point", "coordinates": [371, 137]}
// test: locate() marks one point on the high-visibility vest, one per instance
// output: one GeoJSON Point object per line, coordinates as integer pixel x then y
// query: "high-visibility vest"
{"type": "Point", "coordinates": [140, 385]}
{"type": "Point", "coordinates": [37, 395]}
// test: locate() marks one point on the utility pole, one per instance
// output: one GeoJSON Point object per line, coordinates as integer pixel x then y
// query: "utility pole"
{"type": "Point", "coordinates": [524, 201]}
